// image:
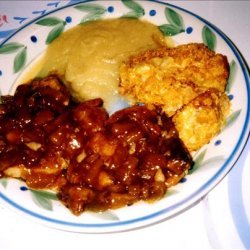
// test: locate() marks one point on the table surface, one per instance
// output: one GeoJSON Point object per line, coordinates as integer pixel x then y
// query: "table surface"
{"type": "Point", "coordinates": [217, 221]}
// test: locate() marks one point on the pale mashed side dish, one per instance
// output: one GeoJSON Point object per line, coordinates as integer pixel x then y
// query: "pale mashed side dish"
{"type": "Point", "coordinates": [88, 56]}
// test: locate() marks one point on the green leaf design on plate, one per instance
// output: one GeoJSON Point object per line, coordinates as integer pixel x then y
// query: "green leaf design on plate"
{"type": "Point", "coordinates": [175, 25]}
{"type": "Point", "coordinates": [198, 161]}
{"type": "Point", "coordinates": [49, 21]}
{"type": "Point", "coordinates": [174, 18]}
{"type": "Point", "coordinates": [94, 8]}
{"type": "Point", "coordinates": [43, 199]}
{"type": "Point", "coordinates": [213, 160]}
{"type": "Point", "coordinates": [91, 17]}
{"type": "Point", "coordinates": [171, 191]}
{"type": "Point", "coordinates": [232, 118]}
{"type": "Point", "coordinates": [4, 182]}
{"type": "Point", "coordinates": [95, 12]}
{"type": "Point", "coordinates": [55, 32]}
{"type": "Point", "coordinates": [131, 15]}
{"type": "Point", "coordinates": [233, 70]}
{"type": "Point", "coordinates": [20, 60]}
{"type": "Point", "coordinates": [170, 29]}
{"type": "Point", "coordinates": [107, 215]}
{"type": "Point", "coordinates": [137, 10]}
{"type": "Point", "coordinates": [208, 37]}
{"type": "Point", "coordinates": [55, 22]}
{"type": "Point", "coordinates": [10, 48]}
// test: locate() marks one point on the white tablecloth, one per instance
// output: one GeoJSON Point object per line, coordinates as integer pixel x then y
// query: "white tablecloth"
{"type": "Point", "coordinates": [218, 221]}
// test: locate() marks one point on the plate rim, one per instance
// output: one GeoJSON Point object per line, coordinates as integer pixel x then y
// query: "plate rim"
{"type": "Point", "coordinates": [206, 187]}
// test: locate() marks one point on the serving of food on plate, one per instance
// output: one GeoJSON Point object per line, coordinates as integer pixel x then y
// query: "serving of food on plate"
{"type": "Point", "coordinates": [117, 109]}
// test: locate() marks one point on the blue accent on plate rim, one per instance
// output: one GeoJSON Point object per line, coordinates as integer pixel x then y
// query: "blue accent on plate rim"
{"type": "Point", "coordinates": [68, 19]}
{"type": "Point", "coordinates": [230, 97]}
{"type": "Point", "coordinates": [217, 143]}
{"type": "Point", "coordinates": [33, 39]}
{"type": "Point", "coordinates": [110, 9]}
{"type": "Point", "coordinates": [189, 30]}
{"type": "Point", "coordinates": [24, 188]}
{"type": "Point", "coordinates": [152, 12]}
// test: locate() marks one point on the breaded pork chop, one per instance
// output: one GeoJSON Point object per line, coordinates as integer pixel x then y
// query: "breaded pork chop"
{"type": "Point", "coordinates": [172, 77]}
{"type": "Point", "coordinates": [202, 118]}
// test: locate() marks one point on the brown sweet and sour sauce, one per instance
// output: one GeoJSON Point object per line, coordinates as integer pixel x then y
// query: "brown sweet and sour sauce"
{"type": "Point", "coordinates": [93, 160]}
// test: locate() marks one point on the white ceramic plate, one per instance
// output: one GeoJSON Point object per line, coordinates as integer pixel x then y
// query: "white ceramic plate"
{"type": "Point", "coordinates": [213, 161]}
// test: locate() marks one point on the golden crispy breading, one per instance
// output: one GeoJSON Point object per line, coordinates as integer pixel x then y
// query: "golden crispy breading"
{"type": "Point", "coordinates": [172, 77]}
{"type": "Point", "coordinates": [201, 119]}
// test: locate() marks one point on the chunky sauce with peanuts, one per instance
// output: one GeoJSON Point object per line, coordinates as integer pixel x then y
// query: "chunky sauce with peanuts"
{"type": "Point", "coordinates": [94, 161]}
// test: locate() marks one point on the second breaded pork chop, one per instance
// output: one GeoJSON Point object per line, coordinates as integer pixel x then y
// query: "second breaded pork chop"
{"type": "Point", "coordinates": [202, 118]}
{"type": "Point", "coordinates": [172, 77]}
